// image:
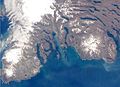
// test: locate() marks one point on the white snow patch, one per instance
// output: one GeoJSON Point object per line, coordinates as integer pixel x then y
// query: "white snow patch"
{"type": "Point", "coordinates": [13, 56]}
{"type": "Point", "coordinates": [34, 9]}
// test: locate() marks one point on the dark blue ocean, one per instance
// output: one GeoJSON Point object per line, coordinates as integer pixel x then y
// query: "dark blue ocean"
{"type": "Point", "coordinates": [78, 73]}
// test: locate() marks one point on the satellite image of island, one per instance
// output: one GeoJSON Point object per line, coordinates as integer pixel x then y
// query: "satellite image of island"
{"type": "Point", "coordinates": [59, 43]}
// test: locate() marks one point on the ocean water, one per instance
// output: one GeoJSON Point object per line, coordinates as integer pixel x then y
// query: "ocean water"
{"type": "Point", "coordinates": [77, 73]}
{"type": "Point", "coordinates": [5, 25]}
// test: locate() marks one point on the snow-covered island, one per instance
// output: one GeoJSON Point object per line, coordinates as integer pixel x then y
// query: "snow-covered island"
{"type": "Point", "coordinates": [89, 26]}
